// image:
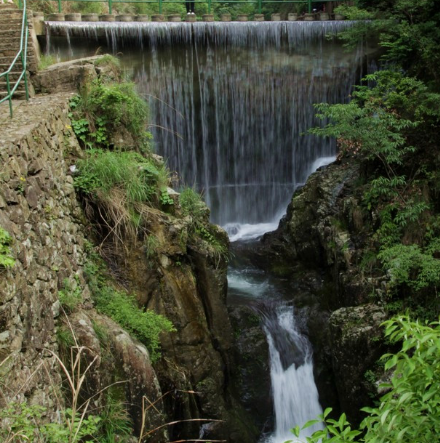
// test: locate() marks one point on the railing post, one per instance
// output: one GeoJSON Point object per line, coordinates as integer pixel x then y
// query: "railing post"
{"type": "Point", "coordinates": [59, 6]}
{"type": "Point", "coordinates": [110, 6]}
{"type": "Point", "coordinates": [160, 6]}
{"type": "Point", "coordinates": [8, 89]}
{"type": "Point", "coordinates": [209, 6]}
{"type": "Point", "coordinates": [310, 6]}
{"type": "Point", "coordinates": [259, 6]}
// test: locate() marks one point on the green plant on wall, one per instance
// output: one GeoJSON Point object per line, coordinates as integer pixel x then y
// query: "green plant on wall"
{"type": "Point", "coordinates": [102, 108]}
{"type": "Point", "coordinates": [70, 295]}
{"type": "Point", "coordinates": [122, 307]}
{"type": "Point", "coordinates": [6, 259]}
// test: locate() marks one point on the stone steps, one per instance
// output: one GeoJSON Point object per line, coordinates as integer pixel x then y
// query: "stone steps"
{"type": "Point", "coordinates": [8, 40]}
{"type": "Point", "coordinates": [13, 76]}
{"type": "Point", "coordinates": [18, 65]}
{"type": "Point", "coordinates": [11, 19]}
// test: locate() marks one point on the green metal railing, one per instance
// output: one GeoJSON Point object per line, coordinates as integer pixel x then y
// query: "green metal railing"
{"type": "Point", "coordinates": [21, 55]}
{"type": "Point", "coordinates": [259, 3]}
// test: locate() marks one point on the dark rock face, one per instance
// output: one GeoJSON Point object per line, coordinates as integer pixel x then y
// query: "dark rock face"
{"type": "Point", "coordinates": [357, 345]}
{"type": "Point", "coordinates": [322, 230]}
{"type": "Point", "coordinates": [252, 370]}
{"type": "Point", "coordinates": [186, 281]}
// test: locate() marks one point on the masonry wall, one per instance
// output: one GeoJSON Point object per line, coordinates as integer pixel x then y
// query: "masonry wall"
{"type": "Point", "coordinates": [39, 210]}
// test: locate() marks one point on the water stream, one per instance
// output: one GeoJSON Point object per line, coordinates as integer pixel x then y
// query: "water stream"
{"type": "Point", "coordinates": [230, 103]}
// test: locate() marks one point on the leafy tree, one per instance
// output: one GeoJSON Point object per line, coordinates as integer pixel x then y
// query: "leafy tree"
{"type": "Point", "coordinates": [408, 31]}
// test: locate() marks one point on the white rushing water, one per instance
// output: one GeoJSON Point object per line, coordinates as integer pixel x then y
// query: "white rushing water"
{"type": "Point", "coordinates": [247, 231]}
{"type": "Point", "coordinates": [294, 392]}
{"type": "Point", "coordinates": [295, 395]}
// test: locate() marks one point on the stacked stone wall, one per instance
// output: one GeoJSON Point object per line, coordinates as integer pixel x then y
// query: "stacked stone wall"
{"type": "Point", "coordinates": [39, 210]}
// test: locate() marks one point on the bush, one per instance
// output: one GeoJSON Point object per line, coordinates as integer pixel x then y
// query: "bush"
{"type": "Point", "coordinates": [103, 108]}
{"type": "Point", "coordinates": [128, 171]}
{"type": "Point", "coordinates": [410, 411]}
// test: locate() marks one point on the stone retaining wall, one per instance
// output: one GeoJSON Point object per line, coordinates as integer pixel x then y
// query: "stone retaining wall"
{"type": "Point", "coordinates": [39, 210]}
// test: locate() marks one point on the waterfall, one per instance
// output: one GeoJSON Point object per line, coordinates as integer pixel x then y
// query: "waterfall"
{"type": "Point", "coordinates": [230, 103]}
{"type": "Point", "coordinates": [294, 391]}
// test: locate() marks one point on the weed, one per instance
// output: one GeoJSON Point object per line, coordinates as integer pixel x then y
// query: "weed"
{"type": "Point", "coordinates": [71, 294]}
{"type": "Point", "coordinates": [6, 259]}
{"type": "Point", "coordinates": [192, 204]}
{"type": "Point", "coordinates": [103, 108]}
{"type": "Point", "coordinates": [146, 326]}
{"type": "Point", "coordinates": [46, 61]}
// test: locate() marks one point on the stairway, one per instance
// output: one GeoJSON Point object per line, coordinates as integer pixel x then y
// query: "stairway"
{"type": "Point", "coordinates": [10, 32]}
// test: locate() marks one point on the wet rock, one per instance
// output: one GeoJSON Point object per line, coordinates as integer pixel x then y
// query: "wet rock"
{"type": "Point", "coordinates": [357, 345]}
{"type": "Point", "coordinates": [252, 371]}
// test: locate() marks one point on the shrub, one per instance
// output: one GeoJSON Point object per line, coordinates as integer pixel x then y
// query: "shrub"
{"type": "Point", "coordinates": [103, 108]}
{"type": "Point", "coordinates": [410, 411]}
{"type": "Point", "coordinates": [128, 171]}
{"type": "Point", "coordinates": [192, 204]}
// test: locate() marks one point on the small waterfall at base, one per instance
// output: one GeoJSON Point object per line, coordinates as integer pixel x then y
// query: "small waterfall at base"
{"type": "Point", "coordinates": [295, 395]}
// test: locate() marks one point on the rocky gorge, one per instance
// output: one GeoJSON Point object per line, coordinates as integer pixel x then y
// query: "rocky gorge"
{"type": "Point", "coordinates": [201, 369]}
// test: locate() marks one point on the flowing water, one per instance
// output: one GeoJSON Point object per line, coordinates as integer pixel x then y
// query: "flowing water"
{"type": "Point", "coordinates": [230, 104]}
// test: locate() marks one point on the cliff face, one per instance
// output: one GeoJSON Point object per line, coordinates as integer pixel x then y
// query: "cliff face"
{"type": "Point", "coordinates": [184, 281]}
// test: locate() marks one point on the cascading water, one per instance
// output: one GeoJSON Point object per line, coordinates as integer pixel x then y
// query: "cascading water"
{"type": "Point", "coordinates": [229, 103]}
{"type": "Point", "coordinates": [295, 394]}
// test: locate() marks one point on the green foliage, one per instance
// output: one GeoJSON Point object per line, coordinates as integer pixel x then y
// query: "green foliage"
{"type": "Point", "coordinates": [410, 265]}
{"type": "Point", "coordinates": [65, 338]}
{"type": "Point", "coordinates": [88, 7]}
{"type": "Point", "coordinates": [410, 411]}
{"type": "Point", "coordinates": [71, 294]}
{"type": "Point", "coordinates": [20, 425]}
{"type": "Point", "coordinates": [390, 127]}
{"type": "Point", "coordinates": [353, 12]}
{"type": "Point", "coordinates": [18, 422]}
{"type": "Point", "coordinates": [72, 429]}
{"type": "Point", "coordinates": [103, 108]}
{"type": "Point", "coordinates": [165, 198]}
{"type": "Point", "coordinates": [407, 30]}
{"type": "Point", "coordinates": [145, 325]}
{"type": "Point", "coordinates": [6, 259]}
{"type": "Point", "coordinates": [115, 424]}
{"type": "Point", "coordinates": [129, 171]}
{"type": "Point", "coordinates": [192, 204]}
{"type": "Point", "coordinates": [46, 61]}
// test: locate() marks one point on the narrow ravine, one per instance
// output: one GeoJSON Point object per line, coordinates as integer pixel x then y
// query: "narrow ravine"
{"type": "Point", "coordinates": [230, 104]}
{"type": "Point", "coordinates": [295, 394]}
